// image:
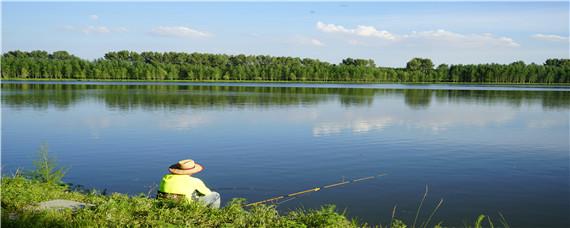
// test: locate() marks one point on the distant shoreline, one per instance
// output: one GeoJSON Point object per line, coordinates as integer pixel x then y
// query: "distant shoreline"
{"type": "Point", "coordinates": [286, 82]}
{"type": "Point", "coordinates": [205, 67]}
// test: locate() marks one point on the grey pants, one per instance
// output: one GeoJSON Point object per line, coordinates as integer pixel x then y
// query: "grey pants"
{"type": "Point", "coordinates": [211, 200]}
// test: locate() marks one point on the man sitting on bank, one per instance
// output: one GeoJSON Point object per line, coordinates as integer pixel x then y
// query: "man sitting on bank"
{"type": "Point", "coordinates": [180, 184]}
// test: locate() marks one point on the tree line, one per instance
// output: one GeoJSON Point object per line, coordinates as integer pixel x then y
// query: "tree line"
{"type": "Point", "coordinates": [128, 65]}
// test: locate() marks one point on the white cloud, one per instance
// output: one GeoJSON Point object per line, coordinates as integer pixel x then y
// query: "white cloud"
{"type": "Point", "coordinates": [369, 31]}
{"type": "Point", "coordinates": [331, 28]}
{"type": "Point", "coordinates": [309, 41]}
{"type": "Point", "coordinates": [470, 40]}
{"type": "Point", "coordinates": [178, 31]}
{"type": "Point", "coordinates": [360, 30]}
{"type": "Point", "coordinates": [440, 35]}
{"type": "Point", "coordinates": [95, 29]}
{"type": "Point", "coordinates": [87, 30]}
{"type": "Point", "coordinates": [357, 42]}
{"type": "Point", "coordinates": [94, 17]}
{"type": "Point", "coordinates": [317, 42]}
{"type": "Point", "coordinates": [549, 37]}
{"type": "Point", "coordinates": [120, 29]}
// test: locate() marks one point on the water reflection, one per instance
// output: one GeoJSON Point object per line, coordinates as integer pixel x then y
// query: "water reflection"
{"type": "Point", "coordinates": [481, 150]}
{"type": "Point", "coordinates": [435, 120]}
{"type": "Point", "coordinates": [465, 106]}
{"type": "Point", "coordinates": [185, 121]}
{"type": "Point", "coordinates": [125, 97]}
{"type": "Point", "coordinates": [418, 98]}
{"type": "Point", "coordinates": [363, 111]}
{"type": "Point", "coordinates": [96, 124]}
{"type": "Point", "coordinates": [351, 123]}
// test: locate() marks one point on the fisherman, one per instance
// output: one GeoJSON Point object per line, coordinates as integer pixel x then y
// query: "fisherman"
{"type": "Point", "coordinates": [180, 185]}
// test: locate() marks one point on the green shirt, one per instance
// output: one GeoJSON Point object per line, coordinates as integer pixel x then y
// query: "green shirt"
{"type": "Point", "coordinates": [183, 185]}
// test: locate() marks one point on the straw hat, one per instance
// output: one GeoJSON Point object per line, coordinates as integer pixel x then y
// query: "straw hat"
{"type": "Point", "coordinates": [185, 167]}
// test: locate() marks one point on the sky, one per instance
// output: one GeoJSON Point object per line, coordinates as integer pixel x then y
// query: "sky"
{"type": "Point", "coordinates": [390, 33]}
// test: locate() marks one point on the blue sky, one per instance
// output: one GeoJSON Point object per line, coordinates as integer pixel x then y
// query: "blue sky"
{"type": "Point", "coordinates": [389, 33]}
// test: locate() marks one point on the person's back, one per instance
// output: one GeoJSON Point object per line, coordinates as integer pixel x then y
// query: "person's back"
{"type": "Point", "coordinates": [180, 183]}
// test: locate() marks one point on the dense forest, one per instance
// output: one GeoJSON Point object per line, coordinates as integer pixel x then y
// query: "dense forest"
{"type": "Point", "coordinates": [127, 65]}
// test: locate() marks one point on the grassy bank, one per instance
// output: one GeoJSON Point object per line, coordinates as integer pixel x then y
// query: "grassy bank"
{"type": "Point", "coordinates": [23, 190]}
{"type": "Point", "coordinates": [19, 193]}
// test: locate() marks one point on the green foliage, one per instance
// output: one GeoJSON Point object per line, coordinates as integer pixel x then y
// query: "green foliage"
{"type": "Point", "coordinates": [557, 62]}
{"type": "Point", "coordinates": [398, 224]}
{"type": "Point", "coordinates": [479, 221]}
{"type": "Point", "coordinates": [46, 168]}
{"type": "Point", "coordinates": [127, 65]}
{"type": "Point", "coordinates": [359, 62]}
{"type": "Point", "coordinates": [325, 217]}
{"type": "Point", "coordinates": [419, 64]}
{"type": "Point", "coordinates": [20, 193]}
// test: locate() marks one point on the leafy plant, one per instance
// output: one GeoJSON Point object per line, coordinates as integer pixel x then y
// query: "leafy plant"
{"type": "Point", "coordinates": [46, 168]}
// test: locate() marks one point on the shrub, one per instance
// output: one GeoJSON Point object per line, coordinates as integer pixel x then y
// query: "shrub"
{"type": "Point", "coordinates": [46, 168]}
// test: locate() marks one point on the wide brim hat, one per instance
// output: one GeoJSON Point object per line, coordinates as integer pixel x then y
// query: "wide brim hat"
{"type": "Point", "coordinates": [185, 167]}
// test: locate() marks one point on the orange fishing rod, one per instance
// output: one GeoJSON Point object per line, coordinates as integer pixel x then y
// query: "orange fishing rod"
{"type": "Point", "coordinates": [299, 193]}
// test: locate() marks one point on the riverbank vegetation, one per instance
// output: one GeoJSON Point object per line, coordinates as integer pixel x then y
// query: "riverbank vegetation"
{"type": "Point", "coordinates": [127, 65]}
{"type": "Point", "coordinates": [23, 190]}
{"type": "Point", "coordinates": [19, 194]}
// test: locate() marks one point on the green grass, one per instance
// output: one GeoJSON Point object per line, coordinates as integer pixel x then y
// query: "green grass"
{"type": "Point", "coordinates": [24, 189]}
{"type": "Point", "coordinates": [19, 193]}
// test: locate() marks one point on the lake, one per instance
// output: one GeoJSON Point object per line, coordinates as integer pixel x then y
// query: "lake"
{"type": "Point", "coordinates": [482, 149]}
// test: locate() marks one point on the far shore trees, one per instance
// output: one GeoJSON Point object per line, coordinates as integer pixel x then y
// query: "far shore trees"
{"type": "Point", "coordinates": [128, 65]}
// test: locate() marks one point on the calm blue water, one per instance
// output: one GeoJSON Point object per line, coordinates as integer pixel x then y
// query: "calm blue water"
{"type": "Point", "coordinates": [483, 149]}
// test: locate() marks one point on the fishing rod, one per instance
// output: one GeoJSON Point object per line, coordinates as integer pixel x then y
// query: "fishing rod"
{"type": "Point", "coordinates": [297, 194]}
{"type": "Point", "coordinates": [244, 189]}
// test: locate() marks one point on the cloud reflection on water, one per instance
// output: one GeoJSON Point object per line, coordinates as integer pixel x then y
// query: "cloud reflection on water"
{"type": "Point", "coordinates": [185, 121]}
{"type": "Point", "coordinates": [436, 119]}
{"type": "Point", "coordinates": [95, 124]}
{"type": "Point", "coordinates": [353, 125]}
